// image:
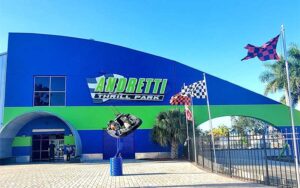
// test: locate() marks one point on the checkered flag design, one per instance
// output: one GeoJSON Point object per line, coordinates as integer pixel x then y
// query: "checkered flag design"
{"type": "Point", "coordinates": [197, 89]}
{"type": "Point", "coordinates": [180, 99]}
{"type": "Point", "coordinates": [266, 52]}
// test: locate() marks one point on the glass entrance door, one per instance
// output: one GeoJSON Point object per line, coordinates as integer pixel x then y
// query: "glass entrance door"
{"type": "Point", "coordinates": [40, 147]}
{"type": "Point", "coordinates": [58, 141]}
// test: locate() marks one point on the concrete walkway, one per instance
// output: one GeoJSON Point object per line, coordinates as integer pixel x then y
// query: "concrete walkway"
{"type": "Point", "coordinates": [136, 174]}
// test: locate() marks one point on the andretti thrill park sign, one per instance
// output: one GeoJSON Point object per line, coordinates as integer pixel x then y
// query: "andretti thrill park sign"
{"type": "Point", "coordinates": [117, 87]}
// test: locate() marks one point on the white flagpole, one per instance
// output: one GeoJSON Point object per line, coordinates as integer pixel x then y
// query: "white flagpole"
{"type": "Point", "coordinates": [188, 136]}
{"type": "Point", "coordinates": [194, 132]}
{"type": "Point", "coordinates": [291, 106]}
{"type": "Point", "coordinates": [210, 120]}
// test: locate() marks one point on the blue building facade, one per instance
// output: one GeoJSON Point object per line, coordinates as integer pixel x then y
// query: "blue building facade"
{"type": "Point", "coordinates": [65, 90]}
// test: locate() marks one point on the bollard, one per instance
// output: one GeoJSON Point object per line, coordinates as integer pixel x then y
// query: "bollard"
{"type": "Point", "coordinates": [116, 167]}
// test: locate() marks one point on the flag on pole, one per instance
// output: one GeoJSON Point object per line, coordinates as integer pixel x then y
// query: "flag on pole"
{"type": "Point", "coordinates": [266, 52]}
{"type": "Point", "coordinates": [179, 99]}
{"type": "Point", "coordinates": [188, 113]}
{"type": "Point", "coordinates": [197, 89]}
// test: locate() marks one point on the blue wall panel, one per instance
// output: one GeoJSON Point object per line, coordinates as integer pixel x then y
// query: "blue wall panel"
{"type": "Point", "coordinates": [126, 146]}
{"type": "Point", "coordinates": [21, 151]}
{"type": "Point", "coordinates": [144, 143]}
{"type": "Point", "coordinates": [92, 141]}
{"type": "Point", "coordinates": [78, 59]}
{"type": "Point", "coordinates": [44, 123]}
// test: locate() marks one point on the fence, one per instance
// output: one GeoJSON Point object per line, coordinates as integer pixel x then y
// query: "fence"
{"type": "Point", "coordinates": [262, 158]}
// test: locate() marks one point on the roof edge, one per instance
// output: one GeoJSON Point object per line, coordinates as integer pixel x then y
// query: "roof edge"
{"type": "Point", "coordinates": [92, 40]}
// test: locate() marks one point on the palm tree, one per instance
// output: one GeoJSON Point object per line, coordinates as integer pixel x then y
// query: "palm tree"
{"type": "Point", "coordinates": [170, 130]}
{"type": "Point", "coordinates": [294, 58]}
{"type": "Point", "coordinates": [275, 76]}
{"type": "Point", "coordinates": [244, 125]}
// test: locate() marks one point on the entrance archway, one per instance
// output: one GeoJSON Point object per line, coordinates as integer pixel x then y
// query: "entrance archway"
{"type": "Point", "coordinates": [9, 132]}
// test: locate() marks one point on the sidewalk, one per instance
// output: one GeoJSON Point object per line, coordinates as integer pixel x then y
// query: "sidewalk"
{"type": "Point", "coordinates": [136, 174]}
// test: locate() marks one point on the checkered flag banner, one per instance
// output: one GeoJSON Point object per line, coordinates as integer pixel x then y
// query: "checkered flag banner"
{"type": "Point", "coordinates": [266, 52]}
{"type": "Point", "coordinates": [180, 99]}
{"type": "Point", "coordinates": [197, 89]}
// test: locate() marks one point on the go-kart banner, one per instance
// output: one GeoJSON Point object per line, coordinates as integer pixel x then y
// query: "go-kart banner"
{"type": "Point", "coordinates": [118, 87]}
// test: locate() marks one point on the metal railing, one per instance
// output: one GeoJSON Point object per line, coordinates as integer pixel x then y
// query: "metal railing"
{"type": "Point", "coordinates": [263, 158]}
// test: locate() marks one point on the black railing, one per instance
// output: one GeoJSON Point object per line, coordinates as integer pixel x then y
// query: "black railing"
{"type": "Point", "coordinates": [262, 158]}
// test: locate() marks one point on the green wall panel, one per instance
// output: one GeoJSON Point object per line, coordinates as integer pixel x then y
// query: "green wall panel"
{"type": "Point", "coordinates": [22, 141]}
{"type": "Point", "coordinates": [90, 118]}
{"type": "Point", "coordinates": [278, 115]}
{"type": "Point", "coordinates": [96, 118]}
{"type": "Point", "coordinates": [69, 140]}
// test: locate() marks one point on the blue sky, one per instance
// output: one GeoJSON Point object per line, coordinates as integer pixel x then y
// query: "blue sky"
{"type": "Point", "coordinates": [207, 35]}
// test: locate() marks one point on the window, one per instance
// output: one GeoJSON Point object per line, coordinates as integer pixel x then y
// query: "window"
{"type": "Point", "coordinates": [49, 91]}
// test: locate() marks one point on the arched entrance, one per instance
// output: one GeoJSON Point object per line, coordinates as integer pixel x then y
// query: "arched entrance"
{"type": "Point", "coordinates": [16, 133]}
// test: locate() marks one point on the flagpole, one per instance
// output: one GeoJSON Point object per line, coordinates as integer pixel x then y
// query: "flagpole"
{"type": "Point", "coordinates": [194, 132]}
{"type": "Point", "coordinates": [210, 120]}
{"type": "Point", "coordinates": [188, 136]}
{"type": "Point", "coordinates": [291, 106]}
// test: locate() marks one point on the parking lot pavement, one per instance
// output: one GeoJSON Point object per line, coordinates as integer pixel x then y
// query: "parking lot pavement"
{"type": "Point", "coordinates": [137, 173]}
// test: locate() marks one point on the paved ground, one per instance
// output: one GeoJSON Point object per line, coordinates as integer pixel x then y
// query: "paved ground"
{"type": "Point", "coordinates": [136, 174]}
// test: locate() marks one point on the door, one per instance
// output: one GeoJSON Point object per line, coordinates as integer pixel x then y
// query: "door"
{"type": "Point", "coordinates": [40, 145]}
{"type": "Point", "coordinates": [58, 141]}
{"type": "Point", "coordinates": [126, 145]}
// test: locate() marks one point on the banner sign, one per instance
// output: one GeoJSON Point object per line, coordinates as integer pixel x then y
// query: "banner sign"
{"type": "Point", "coordinates": [117, 87]}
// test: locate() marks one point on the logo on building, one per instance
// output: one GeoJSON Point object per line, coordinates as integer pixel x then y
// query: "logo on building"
{"type": "Point", "coordinates": [118, 87]}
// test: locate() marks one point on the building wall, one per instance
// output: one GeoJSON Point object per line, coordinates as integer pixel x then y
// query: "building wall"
{"type": "Point", "coordinates": [22, 143]}
{"type": "Point", "coordinates": [3, 58]}
{"type": "Point", "coordinates": [78, 59]}
{"type": "Point", "coordinates": [32, 55]}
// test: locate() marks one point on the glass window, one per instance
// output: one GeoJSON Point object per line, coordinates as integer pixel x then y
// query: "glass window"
{"type": "Point", "coordinates": [42, 83]}
{"type": "Point", "coordinates": [58, 84]}
{"type": "Point", "coordinates": [49, 91]}
{"type": "Point", "coordinates": [44, 155]}
{"type": "Point", "coordinates": [57, 99]}
{"type": "Point", "coordinates": [36, 145]}
{"type": "Point", "coordinates": [36, 137]}
{"type": "Point", "coordinates": [41, 99]}
{"type": "Point", "coordinates": [36, 155]}
{"type": "Point", "coordinates": [45, 144]}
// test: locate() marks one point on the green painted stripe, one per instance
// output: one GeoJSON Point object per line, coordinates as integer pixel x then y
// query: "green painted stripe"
{"type": "Point", "coordinates": [90, 118]}
{"type": "Point", "coordinates": [278, 115]}
{"type": "Point", "coordinates": [69, 140]}
{"type": "Point", "coordinates": [22, 141]}
{"type": "Point", "coordinates": [96, 117]}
